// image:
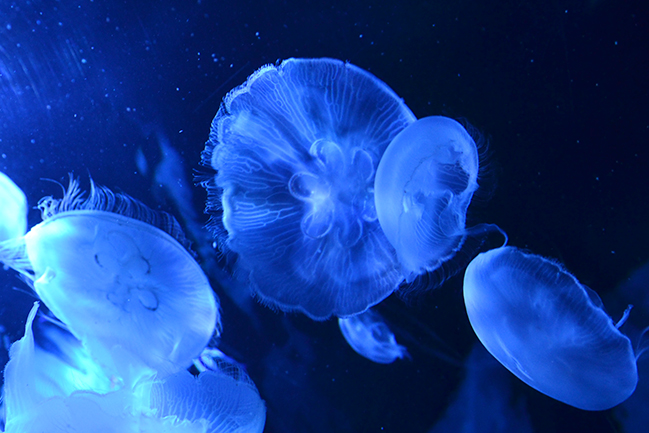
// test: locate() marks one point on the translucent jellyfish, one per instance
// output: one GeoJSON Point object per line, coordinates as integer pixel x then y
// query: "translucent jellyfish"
{"type": "Point", "coordinates": [295, 149]}
{"type": "Point", "coordinates": [128, 290]}
{"type": "Point", "coordinates": [50, 393]}
{"type": "Point", "coordinates": [13, 211]}
{"type": "Point", "coordinates": [61, 388]}
{"type": "Point", "coordinates": [371, 338]}
{"type": "Point", "coordinates": [548, 329]}
{"type": "Point", "coordinates": [221, 399]}
{"type": "Point", "coordinates": [424, 184]}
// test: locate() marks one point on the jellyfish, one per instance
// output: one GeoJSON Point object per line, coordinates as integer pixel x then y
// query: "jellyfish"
{"type": "Point", "coordinates": [13, 212]}
{"type": "Point", "coordinates": [221, 399]}
{"type": "Point", "coordinates": [423, 186]}
{"type": "Point", "coordinates": [128, 290]}
{"type": "Point", "coordinates": [295, 151]}
{"type": "Point", "coordinates": [44, 392]}
{"type": "Point", "coordinates": [371, 338]}
{"type": "Point", "coordinates": [549, 330]}
{"type": "Point", "coordinates": [60, 388]}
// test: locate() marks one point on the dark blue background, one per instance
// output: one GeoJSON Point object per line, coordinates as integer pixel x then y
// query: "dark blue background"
{"type": "Point", "coordinates": [558, 89]}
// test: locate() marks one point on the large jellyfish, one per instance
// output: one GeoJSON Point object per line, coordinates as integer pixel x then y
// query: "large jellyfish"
{"type": "Point", "coordinates": [295, 149]}
{"type": "Point", "coordinates": [13, 209]}
{"type": "Point", "coordinates": [548, 329]}
{"type": "Point", "coordinates": [127, 289]}
{"type": "Point", "coordinates": [371, 338]}
{"type": "Point", "coordinates": [423, 187]}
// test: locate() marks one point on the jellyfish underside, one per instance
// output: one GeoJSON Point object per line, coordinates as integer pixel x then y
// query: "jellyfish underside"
{"type": "Point", "coordinates": [295, 149]}
{"type": "Point", "coordinates": [542, 324]}
{"type": "Point", "coordinates": [424, 184]}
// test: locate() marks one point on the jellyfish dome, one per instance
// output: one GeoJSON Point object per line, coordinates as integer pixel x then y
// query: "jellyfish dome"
{"type": "Point", "coordinates": [424, 184]}
{"type": "Point", "coordinates": [548, 329]}
{"type": "Point", "coordinates": [13, 209]}
{"type": "Point", "coordinates": [127, 289]}
{"type": "Point", "coordinates": [295, 149]}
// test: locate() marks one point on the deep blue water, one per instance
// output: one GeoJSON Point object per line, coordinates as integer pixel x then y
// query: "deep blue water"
{"type": "Point", "coordinates": [558, 89]}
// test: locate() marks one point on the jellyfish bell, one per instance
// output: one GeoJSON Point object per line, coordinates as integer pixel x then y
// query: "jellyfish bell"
{"type": "Point", "coordinates": [423, 186]}
{"type": "Point", "coordinates": [549, 330]}
{"type": "Point", "coordinates": [295, 149]}
{"type": "Point", "coordinates": [128, 290]}
{"type": "Point", "coordinates": [13, 209]}
{"type": "Point", "coordinates": [371, 338]}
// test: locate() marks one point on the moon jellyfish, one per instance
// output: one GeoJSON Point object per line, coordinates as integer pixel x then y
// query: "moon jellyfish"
{"type": "Point", "coordinates": [222, 399]}
{"type": "Point", "coordinates": [43, 392]}
{"type": "Point", "coordinates": [295, 149]}
{"type": "Point", "coordinates": [128, 290]}
{"type": "Point", "coordinates": [371, 338]}
{"type": "Point", "coordinates": [59, 388]}
{"type": "Point", "coordinates": [548, 329]}
{"type": "Point", "coordinates": [424, 184]}
{"type": "Point", "coordinates": [13, 212]}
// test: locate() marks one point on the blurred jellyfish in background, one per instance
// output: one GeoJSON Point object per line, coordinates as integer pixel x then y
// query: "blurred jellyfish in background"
{"type": "Point", "coordinates": [129, 290]}
{"type": "Point", "coordinates": [371, 338]}
{"type": "Point", "coordinates": [548, 329]}
{"type": "Point", "coordinates": [424, 184]}
{"type": "Point", "coordinates": [485, 402]}
{"type": "Point", "coordinates": [633, 414]}
{"type": "Point", "coordinates": [13, 209]}
{"type": "Point", "coordinates": [295, 151]}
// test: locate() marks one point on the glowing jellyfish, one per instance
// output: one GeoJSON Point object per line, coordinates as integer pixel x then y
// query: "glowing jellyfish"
{"type": "Point", "coordinates": [44, 392]}
{"type": "Point", "coordinates": [424, 184]}
{"type": "Point", "coordinates": [128, 290]}
{"type": "Point", "coordinates": [221, 399]}
{"type": "Point", "coordinates": [62, 389]}
{"type": "Point", "coordinates": [295, 149]}
{"type": "Point", "coordinates": [548, 329]}
{"type": "Point", "coordinates": [371, 338]}
{"type": "Point", "coordinates": [13, 209]}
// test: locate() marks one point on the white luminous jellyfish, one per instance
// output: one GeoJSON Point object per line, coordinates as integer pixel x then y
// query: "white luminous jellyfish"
{"type": "Point", "coordinates": [424, 184]}
{"type": "Point", "coordinates": [127, 289]}
{"type": "Point", "coordinates": [13, 209]}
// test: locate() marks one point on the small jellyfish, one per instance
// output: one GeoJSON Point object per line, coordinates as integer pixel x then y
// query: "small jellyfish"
{"type": "Point", "coordinates": [424, 184]}
{"type": "Point", "coordinates": [548, 329]}
{"type": "Point", "coordinates": [371, 338]}
{"type": "Point", "coordinates": [295, 149]}
{"type": "Point", "coordinates": [13, 209]}
{"type": "Point", "coordinates": [127, 289]}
